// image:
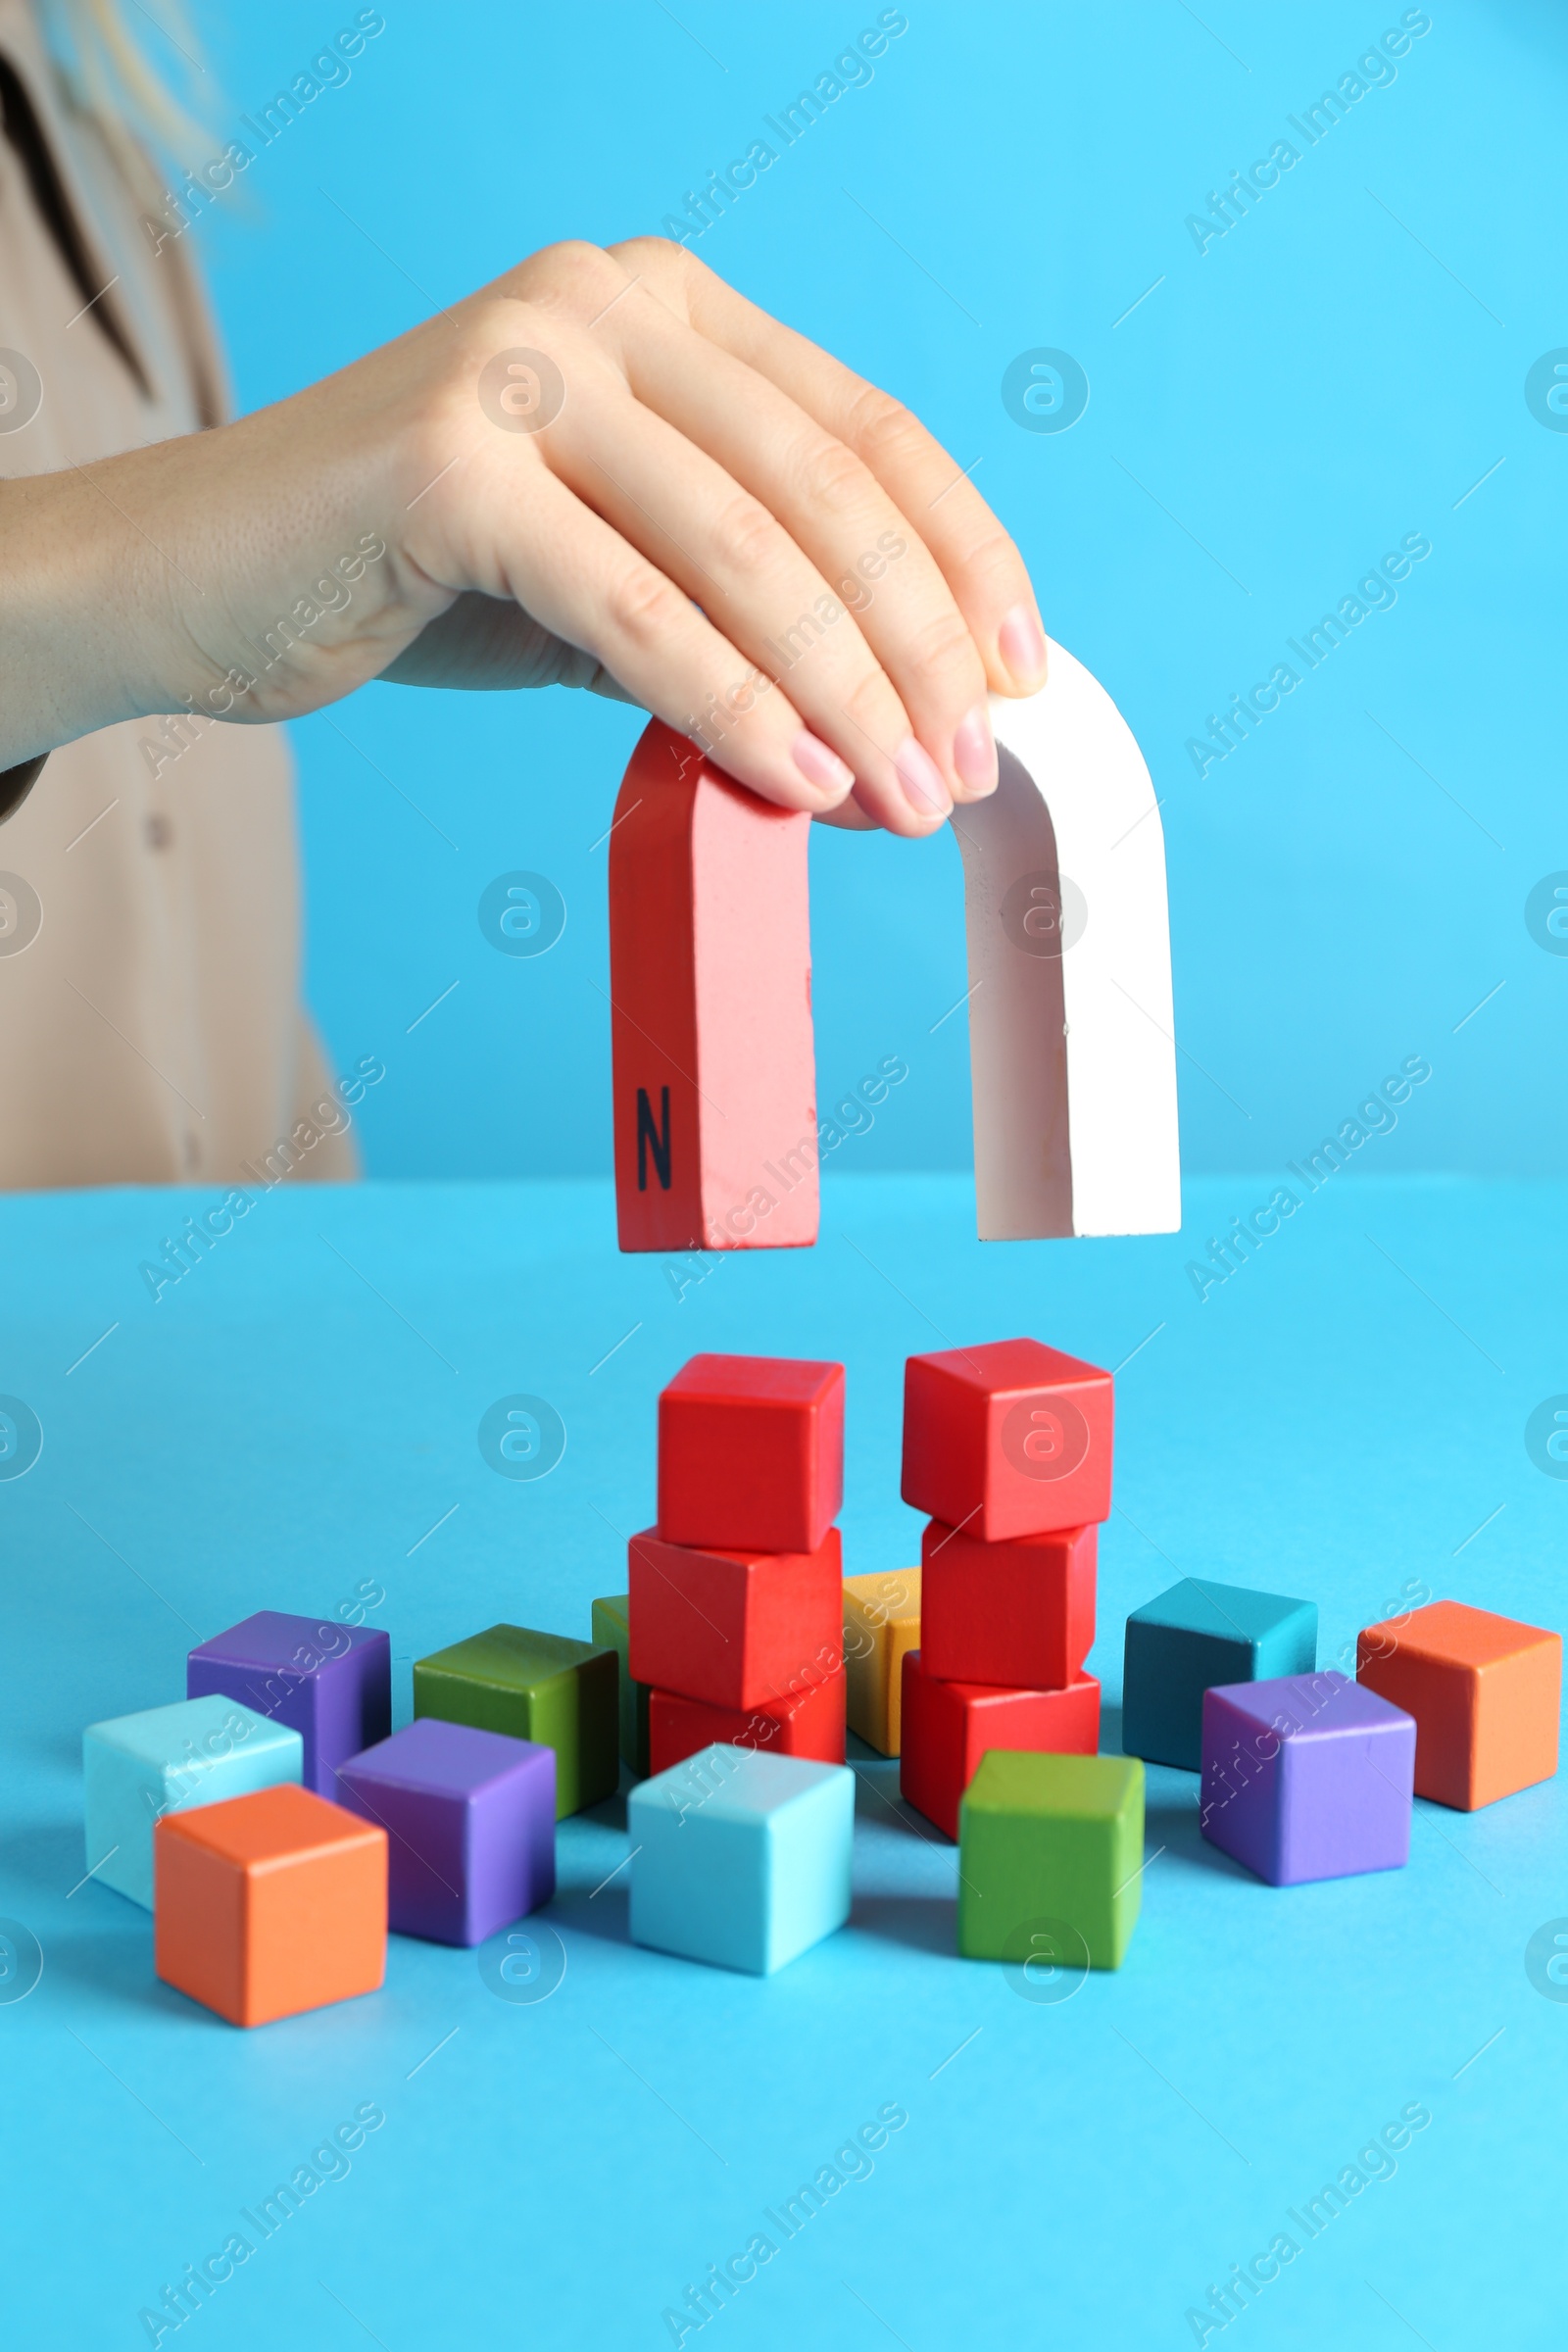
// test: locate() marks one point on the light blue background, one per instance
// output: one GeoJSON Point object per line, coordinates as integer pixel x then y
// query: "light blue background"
{"type": "Point", "coordinates": [1276, 414]}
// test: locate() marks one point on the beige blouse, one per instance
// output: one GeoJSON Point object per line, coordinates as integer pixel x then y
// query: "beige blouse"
{"type": "Point", "coordinates": [151, 1028]}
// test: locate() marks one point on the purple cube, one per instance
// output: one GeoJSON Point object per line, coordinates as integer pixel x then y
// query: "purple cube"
{"type": "Point", "coordinates": [1307, 1776]}
{"type": "Point", "coordinates": [331, 1682]}
{"type": "Point", "coordinates": [470, 1823]}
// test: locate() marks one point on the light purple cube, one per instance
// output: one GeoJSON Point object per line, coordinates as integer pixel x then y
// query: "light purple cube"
{"type": "Point", "coordinates": [1307, 1776]}
{"type": "Point", "coordinates": [331, 1682]}
{"type": "Point", "coordinates": [470, 1823]}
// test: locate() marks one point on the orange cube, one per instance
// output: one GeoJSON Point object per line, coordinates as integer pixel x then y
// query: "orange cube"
{"type": "Point", "coordinates": [1485, 1692]}
{"type": "Point", "coordinates": [270, 1904]}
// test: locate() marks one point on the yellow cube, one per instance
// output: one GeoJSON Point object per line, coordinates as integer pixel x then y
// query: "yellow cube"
{"type": "Point", "coordinates": [881, 1621]}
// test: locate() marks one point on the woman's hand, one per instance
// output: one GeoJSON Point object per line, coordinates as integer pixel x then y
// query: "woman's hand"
{"type": "Point", "coordinates": [606, 469]}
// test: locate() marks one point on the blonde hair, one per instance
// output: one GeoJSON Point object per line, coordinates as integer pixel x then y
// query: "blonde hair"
{"type": "Point", "coordinates": [112, 80]}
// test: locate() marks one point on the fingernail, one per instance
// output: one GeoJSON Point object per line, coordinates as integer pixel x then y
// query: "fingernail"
{"type": "Point", "coordinates": [820, 766]}
{"type": "Point", "coordinates": [921, 779]}
{"type": "Point", "coordinates": [974, 750]}
{"type": "Point", "coordinates": [1022, 645]}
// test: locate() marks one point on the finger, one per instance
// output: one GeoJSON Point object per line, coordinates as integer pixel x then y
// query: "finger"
{"type": "Point", "coordinates": [978, 560]}
{"type": "Point", "coordinates": [842, 517]}
{"type": "Point", "coordinates": [484, 644]}
{"type": "Point", "coordinates": [728, 551]}
{"type": "Point", "coordinates": [580, 579]}
{"type": "Point", "coordinates": [849, 816]}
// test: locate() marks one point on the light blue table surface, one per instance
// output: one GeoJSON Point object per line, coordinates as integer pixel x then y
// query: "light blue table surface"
{"type": "Point", "coordinates": [298, 1417]}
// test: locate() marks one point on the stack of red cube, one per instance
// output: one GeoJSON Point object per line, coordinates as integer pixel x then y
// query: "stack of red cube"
{"type": "Point", "coordinates": [736, 1609]}
{"type": "Point", "coordinates": [1009, 1446]}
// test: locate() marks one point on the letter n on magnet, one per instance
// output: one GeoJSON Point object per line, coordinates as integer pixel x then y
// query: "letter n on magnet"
{"type": "Point", "coordinates": [653, 1138]}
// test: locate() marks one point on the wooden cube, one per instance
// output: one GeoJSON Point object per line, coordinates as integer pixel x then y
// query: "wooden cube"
{"type": "Point", "coordinates": [733, 1628]}
{"type": "Point", "coordinates": [1047, 1842]}
{"type": "Point", "coordinates": [1192, 1638]}
{"type": "Point", "coordinates": [741, 1860]}
{"type": "Point", "coordinates": [881, 1625]}
{"type": "Point", "coordinates": [750, 1452]}
{"type": "Point", "coordinates": [270, 1904]}
{"type": "Point", "coordinates": [471, 1817]}
{"type": "Point", "coordinates": [1009, 1438]}
{"type": "Point", "coordinates": [544, 1686]}
{"type": "Point", "coordinates": [947, 1727]}
{"type": "Point", "coordinates": [611, 1625]}
{"type": "Point", "coordinates": [331, 1683]}
{"type": "Point", "coordinates": [1306, 1775]}
{"type": "Point", "coordinates": [1018, 1612]}
{"type": "Point", "coordinates": [807, 1722]}
{"type": "Point", "coordinates": [199, 1751]}
{"type": "Point", "coordinates": [1484, 1690]}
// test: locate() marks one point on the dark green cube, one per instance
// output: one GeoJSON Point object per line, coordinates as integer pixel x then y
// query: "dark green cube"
{"type": "Point", "coordinates": [563, 1694]}
{"type": "Point", "coordinates": [1046, 1841]}
{"type": "Point", "coordinates": [612, 1630]}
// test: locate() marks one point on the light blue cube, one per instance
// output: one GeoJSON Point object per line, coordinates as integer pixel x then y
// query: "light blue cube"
{"type": "Point", "coordinates": [170, 1760]}
{"type": "Point", "coordinates": [740, 1859]}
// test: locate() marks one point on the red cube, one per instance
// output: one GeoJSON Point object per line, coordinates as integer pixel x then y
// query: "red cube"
{"type": "Point", "coordinates": [1017, 1612]}
{"type": "Point", "coordinates": [807, 1722]}
{"type": "Point", "coordinates": [733, 1628]}
{"type": "Point", "coordinates": [947, 1727]}
{"type": "Point", "coordinates": [1012, 1438]}
{"type": "Point", "coordinates": [750, 1452]}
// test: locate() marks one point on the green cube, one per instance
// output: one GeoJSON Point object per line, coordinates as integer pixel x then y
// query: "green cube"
{"type": "Point", "coordinates": [612, 1630]}
{"type": "Point", "coordinates": [537, 1687]}
{"type": "Point", "coordinates": [1049, 1839]}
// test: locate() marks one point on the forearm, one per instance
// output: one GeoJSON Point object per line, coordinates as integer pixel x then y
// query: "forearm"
{"type": "Point", "coordinates": [242, 574]}
{"type": "Point", "coordinates": [74, 649]}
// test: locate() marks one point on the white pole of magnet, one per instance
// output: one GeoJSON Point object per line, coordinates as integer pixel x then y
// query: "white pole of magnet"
{"type": "Point", "coordinates": [1071, 1033]}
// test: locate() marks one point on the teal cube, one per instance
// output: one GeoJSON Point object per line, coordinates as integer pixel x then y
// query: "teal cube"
{"type": "Point", "coordinates": [1191, 1638]}
{"type": "Point", "coordinates": [740, 1859]}
{"type": "Point", "coordinates": [136, 1768]}
{"type": "Point", "coordinates": [612, 1630]}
